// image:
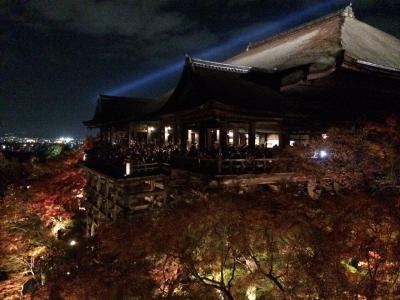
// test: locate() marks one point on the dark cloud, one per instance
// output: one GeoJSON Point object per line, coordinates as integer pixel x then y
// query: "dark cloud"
{"type": "Point", "coordinates": [56, 55]}
{"type": "Point", "coordinates": [122, 17]}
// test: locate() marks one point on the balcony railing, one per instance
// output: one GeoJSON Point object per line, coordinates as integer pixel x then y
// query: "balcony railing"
{"type": "Point", "coordinates": [226, 166]}
{"type": "Point", "coordinates": [212, 166]}
{"type": "Point", "coordinates": [119, 170]}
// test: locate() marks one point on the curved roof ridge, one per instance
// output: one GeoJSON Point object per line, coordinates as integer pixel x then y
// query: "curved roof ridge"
{"type": "Point", "coordinates": [207, 64]}
{"type": "Point", "coordinates": [340, 13]}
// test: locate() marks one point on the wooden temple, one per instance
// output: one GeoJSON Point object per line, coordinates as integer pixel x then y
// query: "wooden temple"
{"type": "Point", "coordinates": [334, 69]}
{"type": "Point", "coordinates": [281, 91]}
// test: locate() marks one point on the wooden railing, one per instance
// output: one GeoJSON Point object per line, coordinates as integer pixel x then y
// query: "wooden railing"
{"type": "Point", "coordinates": [136, 170]}
{"type": "Point", "coordinates": [199, 165]}
{"type": "Point", "coordinates": [145, 168]}
{"type": "Point", "coordinates": [224, 166]}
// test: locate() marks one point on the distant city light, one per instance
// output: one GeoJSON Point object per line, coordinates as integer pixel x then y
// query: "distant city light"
{"type": "Point", "coordinates": [64, 140]}
{"type": "Point", "coordinates": [323, 154]}
{"type": "Point", "coordinates": [324, 136]}
{"type": "Point", "coordinates": [72, 243]}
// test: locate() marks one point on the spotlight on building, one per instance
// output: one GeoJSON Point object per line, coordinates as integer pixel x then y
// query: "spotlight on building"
{"type": "Point", "coordinates": [323, 154]}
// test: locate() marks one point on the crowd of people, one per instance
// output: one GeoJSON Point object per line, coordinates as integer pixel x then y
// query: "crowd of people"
{"type": "Point", "coordinates": [233, 152]}
{"type": "Point", "coordinates": [151, 153]}
{"type": "Point", "coordinates": [136, 153]}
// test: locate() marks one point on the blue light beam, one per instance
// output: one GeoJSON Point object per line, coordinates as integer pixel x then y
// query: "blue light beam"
{"type": "Point", "coordinates": [262, 31]}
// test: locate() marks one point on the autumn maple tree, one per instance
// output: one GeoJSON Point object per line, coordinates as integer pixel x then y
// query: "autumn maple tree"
{"type": "Point", "coordinates": [276, 243]}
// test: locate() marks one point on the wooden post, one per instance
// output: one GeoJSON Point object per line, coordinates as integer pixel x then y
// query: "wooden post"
{"type": "Point", "coordinates": [183, 138]}
{"type": "Point", "coordinates": [175, 133]}
{"type": "Point", "coordinates": [252, 135]}
{"type": "Point", "coordinates": [110, 135]}
{"type": "Point", "coordinates": [129, 134]}
{"type": "Point", "coordinates": [222, 138]}
{"type": "Point", "coordinates": [284, 139]}
{"type": "Point", "coordinates": [202, 137]}
{"type": "Point", "coordinates": [219, 164]}
{"type": "Point", "coordinates": [235, 136]}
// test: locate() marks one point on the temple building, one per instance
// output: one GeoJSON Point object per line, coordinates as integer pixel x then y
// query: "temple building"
{"type": "Point", "coordinates": [279, 92]}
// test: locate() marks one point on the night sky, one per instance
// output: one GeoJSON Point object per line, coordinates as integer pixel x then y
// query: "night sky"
{"type": "Point", "coordinates": [56, 56]}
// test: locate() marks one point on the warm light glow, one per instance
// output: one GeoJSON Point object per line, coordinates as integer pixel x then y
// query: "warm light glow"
{"type": "Point", "coordinates": [251, 293]}
{"type": "Point", "coordinates": [166, 133]}
{"type": "Point", "coordinates": [230, 137]}
{"type": "Point", "coordinates": [324, 136]}
{"type": "Point", "coordinates": [272, 140]}
{"type": "Point", "coordinates": [127, 169]}
{"type": "Point", "coordinates": [72, 243]}
{"type": "Point", "coordinates": [59, 225]}
{"type": "Point", "coordinates": [150, 128]}
{"type": "Point", "coordinates": [84, 157]}
{"type": "Point", "coordinates": [189, 135]}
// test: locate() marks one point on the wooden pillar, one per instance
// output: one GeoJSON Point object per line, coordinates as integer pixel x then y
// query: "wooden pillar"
{"type": "Point", "coordinates": [101, 134]}
{"type": "Point", "coordinates": [202, 137]}
{"type": "Point", "coordinates": [175, 133]}
{"type": "Point", "coordinates": [129, 134]}
{"type": "Point", "coordinates": [222, 138]}
{"type": "Point", "coordinates": [236, 136]}
{"type": "Point", "coordinates": [252, 135]}
{"type": "Point", "coordinates": [159, 135]}
{"type": "Point", "coordinates": [134, 133]}
{"type": "Point", "coordinates": [209, 138]}
{"type": "Point", "coordinates": [284, 139]}
{"type": "Point", "coordinates": [183, 137]}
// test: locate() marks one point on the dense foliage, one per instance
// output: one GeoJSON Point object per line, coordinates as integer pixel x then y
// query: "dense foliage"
{"type": "Point", "coordinates": [270, 244]}
{"type": "Point", "coordinates": [36, 210]}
